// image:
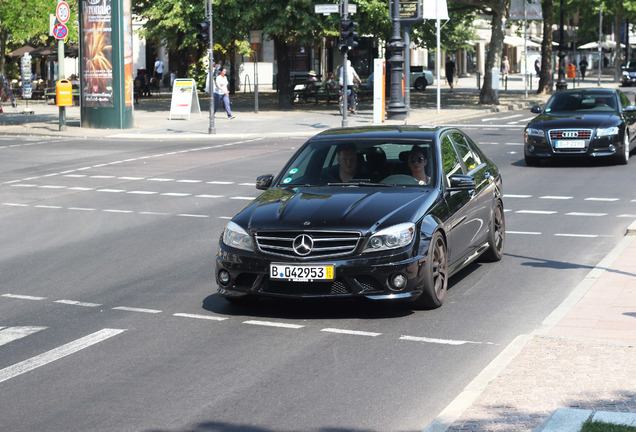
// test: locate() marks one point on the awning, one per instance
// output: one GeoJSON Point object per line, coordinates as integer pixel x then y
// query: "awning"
{"type": "Point", "coordinates": [520, 42]}
{"type": "Point", "coordinates": [69, 51]}
{"type": "Point", "coordinates": [609, 45]}
{"type": "Point", "coordinates": [21, 51]}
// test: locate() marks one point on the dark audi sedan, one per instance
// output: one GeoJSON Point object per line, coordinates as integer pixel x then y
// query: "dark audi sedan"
{"type": "Point", "coordinates": [597, 123]}
{"type": "Point", "coordinates": [378, 212]}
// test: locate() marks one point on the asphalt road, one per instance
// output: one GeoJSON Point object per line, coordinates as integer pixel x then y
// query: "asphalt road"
{"type": "Point", "coordinates": [109, 321]}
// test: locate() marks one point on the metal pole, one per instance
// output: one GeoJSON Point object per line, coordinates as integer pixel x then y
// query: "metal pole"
{"type": "Point", "coordinates": [600, 40]}
{"type": "Point", "coordinates": [345, 87]}
{"type": "Point", "coordinates": [525, 48]}
{"type": "Point", "coordinates": [561, 84]}
{"type": "Point", "coordinates": [438, 56]}
{"type": "Point", "coordinates": [60, 75]}
{"type": "Point", "coordinates": [407, 68]}
{"type": "Point", "coordinates": [208, 11]}
{"type": "Point", "coordinates": [255, 82]}
{"type": "Point", "coordinates": [396, 109]}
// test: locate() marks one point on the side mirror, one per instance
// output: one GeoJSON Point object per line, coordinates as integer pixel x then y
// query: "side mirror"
{"type": "Point", "coordinates": [536, 109]}
{"type": "Point", "coordinates": [461, 182]}
{"type": "Point", "coordinates": [630, 108]}
{"type": "Point", "coordinates": [264, 182]}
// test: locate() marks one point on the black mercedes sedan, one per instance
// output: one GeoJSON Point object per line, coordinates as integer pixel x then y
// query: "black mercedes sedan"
{"type": "Point", "coordinates": [597, 123]}
{"type": "Point", "coordinates": [374, 212]}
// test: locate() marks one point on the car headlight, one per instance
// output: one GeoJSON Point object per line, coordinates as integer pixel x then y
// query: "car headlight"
{"type": "Point", "coordinates": [535, 132]}
{"type": "Point", "coordinates": [236, 237]}
{"type": "Point", "coordinates": [607, 131]}
{"type": "Point", "coordinates": [393, 237]}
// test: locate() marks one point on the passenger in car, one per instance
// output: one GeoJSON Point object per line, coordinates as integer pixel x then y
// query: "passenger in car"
{"type": "Point", "coordinates": [347, 165]}
{"type": "Point", "coordinates": [417, 163]}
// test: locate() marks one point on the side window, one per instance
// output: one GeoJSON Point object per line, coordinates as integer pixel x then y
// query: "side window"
{"type": "Point", "coordinates": [624, 100]}
{"type": "Point", "coordinates": [471, 159]}
{"type": "Point", "coordinates": [450, 161]}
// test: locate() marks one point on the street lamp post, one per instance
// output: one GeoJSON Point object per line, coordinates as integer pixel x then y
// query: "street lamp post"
{"type": "Point", "coordinates": [396, 110]}
{"type": "Point", "coordinates": [208, 11]}
{"type": "Point", "coordinates": [561, 83]}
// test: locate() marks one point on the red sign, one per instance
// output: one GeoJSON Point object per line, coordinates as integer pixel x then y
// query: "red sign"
{"type": "Point", "coordinates": [63, 12]}
{"type": "Point", "coordinates": [60, 31]}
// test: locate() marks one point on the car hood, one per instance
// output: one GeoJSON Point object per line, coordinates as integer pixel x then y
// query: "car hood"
{"type": "Point", "coordinates": [346, 208]}
{"type": "Point", "coordinates": [578, 120]}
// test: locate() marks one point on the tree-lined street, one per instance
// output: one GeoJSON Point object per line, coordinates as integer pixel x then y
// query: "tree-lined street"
{"type": "Point", "coordinates": [109, 318]}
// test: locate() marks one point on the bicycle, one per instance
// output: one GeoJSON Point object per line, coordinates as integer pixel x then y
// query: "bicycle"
{"type": "Point", "coordinates": [353, 109]}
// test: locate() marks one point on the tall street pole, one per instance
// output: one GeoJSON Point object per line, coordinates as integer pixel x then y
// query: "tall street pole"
{"type": "Point", "coordinates": [345, 72]}
{"type": "Point", "coordinates": [561, 83]}
{"type": "Point", "coordinates": [208, 10]}
{"type": "Point", "coordinates": [397, 109]}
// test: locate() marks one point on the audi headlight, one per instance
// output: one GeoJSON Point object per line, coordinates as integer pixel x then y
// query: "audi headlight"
{"type": "Point", "coordinates": [236, 237]}
{"type": "Point", "coordinates": [535, 132]}
{"type": "Point", "coordinates": [601, 132]}
{"type": "Point", "coordinates": [393, 237]}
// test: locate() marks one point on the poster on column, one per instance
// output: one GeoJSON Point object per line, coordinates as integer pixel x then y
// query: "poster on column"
{"type": "Point", "coordinates": [128, 54]}
{"type": "Point", "coordinates": [97, 52]}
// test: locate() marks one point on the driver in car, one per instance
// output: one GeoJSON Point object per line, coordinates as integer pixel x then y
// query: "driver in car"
{"type": "Point", "coordinates": [347, 165]}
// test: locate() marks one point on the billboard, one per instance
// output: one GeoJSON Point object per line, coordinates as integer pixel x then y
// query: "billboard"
{"type": "Point", "coordinates": [97, 49]}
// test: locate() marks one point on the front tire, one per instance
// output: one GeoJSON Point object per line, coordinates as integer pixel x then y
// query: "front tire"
{"type": "Point", "coordinates": [623, 158]}
{"type": "Point", "coordinates": [435, 280]}
{"type": "Point", "coordinates": [496, 235]}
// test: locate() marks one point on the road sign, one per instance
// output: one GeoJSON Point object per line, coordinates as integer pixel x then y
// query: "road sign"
{"type": "Point", "coordinates": [63, 12]}
{"type": "Point", "coordinates": [327, 9]}
{"type": "Point", "coordinates": [60, 31]}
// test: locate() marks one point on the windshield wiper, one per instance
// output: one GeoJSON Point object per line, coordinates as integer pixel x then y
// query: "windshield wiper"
{"type": "Point", "coordinates": [361, 184]}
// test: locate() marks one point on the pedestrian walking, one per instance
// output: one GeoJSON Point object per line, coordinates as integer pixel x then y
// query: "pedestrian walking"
{"type": "Point", "coordinates": [583, 67]}
{"type": "Point", "coordinates": [505, 70]}
{"type": "Point", "coordinates": [537, 66]}
{"type": "Point", "coordinates": [450, 72]}
{"type": "Point", "coordinates": [158, 72]}
{"type": "Point", "coordinates": [221, 93]}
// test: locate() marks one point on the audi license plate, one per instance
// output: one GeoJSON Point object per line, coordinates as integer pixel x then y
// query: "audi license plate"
{"type": "Point", "coordinates": [302, 273]}
{"type": "Point", "coordinates": [570, 144]}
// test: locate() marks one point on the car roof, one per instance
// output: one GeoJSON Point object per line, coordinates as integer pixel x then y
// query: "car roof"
{"type": "Point", "coordinates": [588, 90]}
{"type": "Point", "coordinates": [382, 132]}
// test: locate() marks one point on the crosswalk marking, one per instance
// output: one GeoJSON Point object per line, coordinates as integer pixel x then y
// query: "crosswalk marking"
{"type": "Point", "coordinates": [57, 353]}
{"type": "Point", "coordinates": [9, 334]}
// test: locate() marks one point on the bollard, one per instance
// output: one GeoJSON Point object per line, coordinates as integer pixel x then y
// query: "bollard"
{"type": "Point", "coordinates": [478, 80]}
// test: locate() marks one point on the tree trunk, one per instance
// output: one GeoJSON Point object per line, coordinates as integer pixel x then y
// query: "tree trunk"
{"type": "Point", "coordinates": [618, 23]}
{"type": "Point", "coordinates": [545, 76]}
{"type": "Point", "coordinates": [488, 94]}
{"type": "Point", "coordinates": [3, 49]}
{"type": "Point", "coordinates": [283, 81]}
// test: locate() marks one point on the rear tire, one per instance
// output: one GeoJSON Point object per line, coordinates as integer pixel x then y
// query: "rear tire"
{"type": "Point", "coordinates": [435, 280]}
{"type": "Point", "coordinates": [496, 235]}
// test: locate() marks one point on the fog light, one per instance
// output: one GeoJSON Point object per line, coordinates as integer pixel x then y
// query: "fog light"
{"type": "Point", "coordinates": [612, 148]}
{"type": "Point", "coordinates": [531, 148]}
{"type": "Point", "coordinates": [398, 282]}
{"type": "Point", "coordinates": [224, 277]}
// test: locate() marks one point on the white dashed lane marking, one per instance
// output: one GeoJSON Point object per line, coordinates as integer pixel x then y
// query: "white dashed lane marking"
{"type": "Point", "coordinates": [273, 324]}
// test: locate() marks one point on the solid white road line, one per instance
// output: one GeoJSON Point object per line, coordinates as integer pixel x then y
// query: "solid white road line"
{"type": "Point", "coordinates": [131, 309]}
{"type": "Point", "coordinates": [57, 353]}
{"type": "Point", "coordinates": [350, 332]}
{"type": "Point", "coordinates": [273, 324]}
{"type": "Point", "coordinates": [203, 317]}
{"type": "Point", "coordinates": [10, 334]}
{"type": "Point", "coordinates": [441, 341]}
{"type": "Point", "coordinates": [23, 297]}
{"type": "Point", "coordinates": [77, 303]}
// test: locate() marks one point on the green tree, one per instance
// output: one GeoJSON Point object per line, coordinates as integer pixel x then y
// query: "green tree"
{"type": "Point", "coordinates": [27, 22]}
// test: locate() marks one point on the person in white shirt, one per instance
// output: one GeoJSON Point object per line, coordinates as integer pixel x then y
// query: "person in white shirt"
{"type": "Point", "coordinates": [158, 72]}
{"type": "Point", "coordinates": [352, 78]}
{"type": "Point", "coordinates": [221, 93]}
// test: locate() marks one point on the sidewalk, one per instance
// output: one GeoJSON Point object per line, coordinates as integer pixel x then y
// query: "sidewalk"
{"type": "Point", "coordinates": [581, 362]}
{"type": "Point", "coordinates": [151, 115]}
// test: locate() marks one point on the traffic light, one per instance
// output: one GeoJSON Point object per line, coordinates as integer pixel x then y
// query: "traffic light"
{"type": "Point", "coordinates": [348, 35]}
{"type": "Point", "coordinates": [204, 31]}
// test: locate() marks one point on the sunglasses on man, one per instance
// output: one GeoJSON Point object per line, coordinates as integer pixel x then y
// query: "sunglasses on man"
{"type": "Point", "coordinates": [417, 159]}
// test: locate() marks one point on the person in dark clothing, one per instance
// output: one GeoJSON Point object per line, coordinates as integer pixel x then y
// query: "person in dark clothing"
{"type": "Point", "coordinates": [450, 72]}
{"type": "Point", "coordinates": [583, 67]}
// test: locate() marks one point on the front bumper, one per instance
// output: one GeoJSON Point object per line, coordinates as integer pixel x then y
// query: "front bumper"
{"type": "Point", "coordinates": [355, 276]}
{"type": "Point", "coordinates": [606, 146]}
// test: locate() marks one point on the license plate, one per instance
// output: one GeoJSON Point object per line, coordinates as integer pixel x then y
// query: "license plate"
{"type": "Point", "coordinates": [302, 273]}
{"type": "Point", "coordinates": [570, 144]}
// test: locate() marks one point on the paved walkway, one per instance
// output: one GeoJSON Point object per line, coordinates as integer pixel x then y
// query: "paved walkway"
{"type": "Point", "coordinates": [581, 362]}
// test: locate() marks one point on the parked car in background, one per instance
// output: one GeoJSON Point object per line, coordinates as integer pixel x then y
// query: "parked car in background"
{"type": "Point", "coordinates": [384, 213]}
{"type": "Point", "coordinates": [421, 78]}
{"type": "Point", "coordinates": [629, 74]}
{"type": "Point", "coordinates": [594, 123]}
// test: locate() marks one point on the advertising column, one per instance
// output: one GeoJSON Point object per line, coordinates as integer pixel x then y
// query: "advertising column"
{"type": "Point", "coordinates": [106, 64]}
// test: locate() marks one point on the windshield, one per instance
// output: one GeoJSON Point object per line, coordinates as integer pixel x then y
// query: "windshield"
{"type": "Point", "coordinates": [581, 102]}
{"type": "Point", "coordinates": [369, 163]}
